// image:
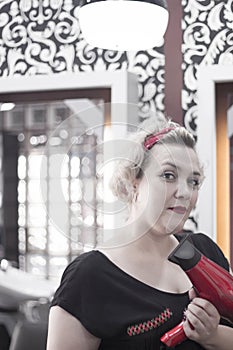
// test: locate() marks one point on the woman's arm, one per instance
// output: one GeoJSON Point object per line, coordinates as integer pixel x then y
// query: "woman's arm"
{"type": "Point", "coordinates": [222, 339]}
{"type": "Point", "coordinates": [202, 325]}
{"type": "Point", "coordinates": [65, 332]}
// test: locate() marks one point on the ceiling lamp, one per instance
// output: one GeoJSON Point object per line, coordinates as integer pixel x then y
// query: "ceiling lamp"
{"type": "Point", "coordinates": [124, 25]}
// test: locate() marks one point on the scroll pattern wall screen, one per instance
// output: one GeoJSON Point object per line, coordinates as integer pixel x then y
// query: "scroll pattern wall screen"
{"type": "Point", "coordinates": [207, 39]}
{"type": "Point", "coordinates": [43, 37]}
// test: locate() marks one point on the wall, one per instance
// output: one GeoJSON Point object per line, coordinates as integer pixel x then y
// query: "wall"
{"type": "Point", "coordinates": [43, 37]}
{"type": "Point", "coordinates": [207, 39]}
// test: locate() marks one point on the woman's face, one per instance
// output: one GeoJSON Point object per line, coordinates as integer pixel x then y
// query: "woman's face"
{"type": "Point", "coordinates": [168, 190]}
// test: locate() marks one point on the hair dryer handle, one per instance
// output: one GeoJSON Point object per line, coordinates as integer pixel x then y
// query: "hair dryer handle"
{"type": "Point", "coordinates": [175, 336]}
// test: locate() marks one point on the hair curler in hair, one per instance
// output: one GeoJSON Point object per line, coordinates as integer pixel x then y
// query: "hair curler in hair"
{"type": "Point", "coordinates": [210, 281]}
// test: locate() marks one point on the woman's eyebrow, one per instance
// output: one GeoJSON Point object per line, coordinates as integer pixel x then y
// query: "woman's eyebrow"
{"type": "Point", "coordinates": [170, 164]}
{"type": "Point", "coordinates": [196, 173]}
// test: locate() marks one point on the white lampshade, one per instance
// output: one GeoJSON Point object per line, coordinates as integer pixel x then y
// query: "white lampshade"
{"type": "Point", "coordinates": [124, 25]}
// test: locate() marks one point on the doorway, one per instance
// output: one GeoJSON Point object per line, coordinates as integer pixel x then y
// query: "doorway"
{"type": "Point", "coordinates": [214, 206]}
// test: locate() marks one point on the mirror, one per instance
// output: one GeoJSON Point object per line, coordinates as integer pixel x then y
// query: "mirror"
{"type": "Point", "coordinates": [51, 133]}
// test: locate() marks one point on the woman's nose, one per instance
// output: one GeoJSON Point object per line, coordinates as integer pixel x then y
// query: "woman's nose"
{"type": "Point", "coordinates": [183, 190]}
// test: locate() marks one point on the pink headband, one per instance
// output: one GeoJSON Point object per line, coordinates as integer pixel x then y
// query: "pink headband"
{"type": "Point", "coordinates": [153, 139]}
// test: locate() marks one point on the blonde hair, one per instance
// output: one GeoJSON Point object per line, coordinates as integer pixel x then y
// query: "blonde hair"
{"type": "Point", "coordinates": [131, 168]}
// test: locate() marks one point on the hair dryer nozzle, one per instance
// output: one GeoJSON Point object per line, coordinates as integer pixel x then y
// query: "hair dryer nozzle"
{"type": "Point", "coordinates": [185, 255]}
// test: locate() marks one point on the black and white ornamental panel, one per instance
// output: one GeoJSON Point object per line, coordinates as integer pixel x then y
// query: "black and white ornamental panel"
{"type": "Point", "coordinates": [42, 37]}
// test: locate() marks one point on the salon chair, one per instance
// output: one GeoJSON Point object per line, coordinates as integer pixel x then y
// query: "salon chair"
{"type": "Point", "coordinates": [28, 335]}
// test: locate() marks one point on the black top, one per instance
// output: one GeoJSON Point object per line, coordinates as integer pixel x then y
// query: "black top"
{"type": "Point", "coordinates": [124, 312]}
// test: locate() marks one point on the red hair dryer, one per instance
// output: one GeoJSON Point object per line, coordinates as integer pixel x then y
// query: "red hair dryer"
{"type": "Point", "coordinates": [211, 282]}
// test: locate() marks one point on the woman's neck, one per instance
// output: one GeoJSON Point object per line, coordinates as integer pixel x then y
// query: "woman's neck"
{"type": "Point", "coordinates": [153, 245]}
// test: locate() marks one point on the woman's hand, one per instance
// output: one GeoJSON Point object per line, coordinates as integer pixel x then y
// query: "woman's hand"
{"type": "Point", "coordinates": [202, 320]}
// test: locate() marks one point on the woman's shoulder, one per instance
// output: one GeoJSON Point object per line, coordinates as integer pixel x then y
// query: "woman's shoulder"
{"type": "Point", "coordinates": [83, 291]}
{"type": "Point", "coordinates": [85, 259]}
{"type": "Point", "coordinates": [83, 274]}
{"type": "Point", "coordinates": [85, 263]}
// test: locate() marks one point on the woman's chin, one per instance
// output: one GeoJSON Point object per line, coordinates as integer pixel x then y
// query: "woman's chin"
{"type": "Point", "coordinates": [173, 229]}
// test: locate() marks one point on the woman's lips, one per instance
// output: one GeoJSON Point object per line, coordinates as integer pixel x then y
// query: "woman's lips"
{"type": "Point", "coordinates": [178, 210]}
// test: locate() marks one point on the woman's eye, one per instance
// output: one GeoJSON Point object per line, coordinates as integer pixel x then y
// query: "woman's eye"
{"type": "Point", "coordinates": [168, 176]}
{"type": "Point", "coordinates": [195, 183]}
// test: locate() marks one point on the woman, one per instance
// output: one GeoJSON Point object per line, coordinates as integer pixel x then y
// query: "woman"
{"type": "Point", "coordinates": [126, 297]}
